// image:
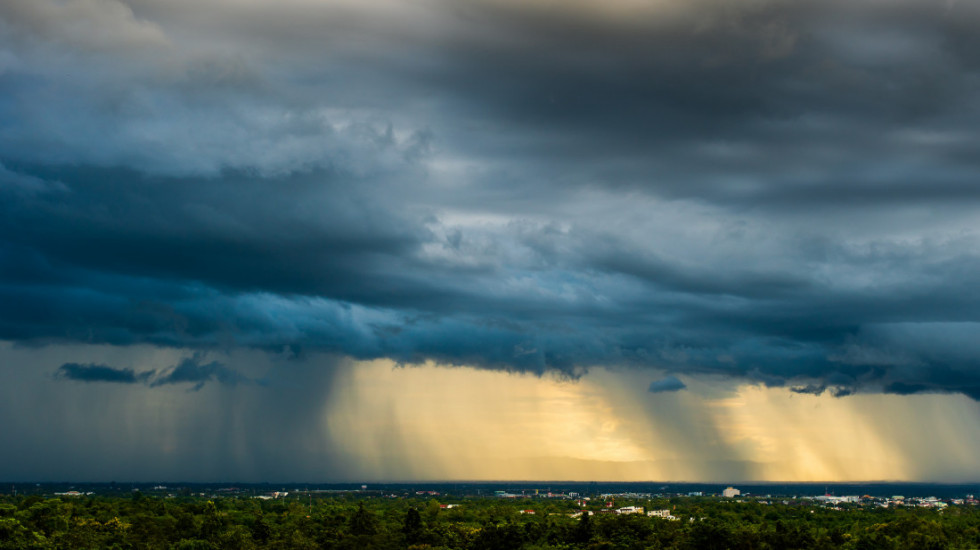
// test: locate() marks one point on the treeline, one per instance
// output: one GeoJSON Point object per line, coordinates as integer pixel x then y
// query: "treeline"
{"type": "Point", "coordinates": [359, 523]}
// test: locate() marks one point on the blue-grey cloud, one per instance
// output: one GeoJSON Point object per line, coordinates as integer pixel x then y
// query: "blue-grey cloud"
{"type": "Point", "coordinates": [775, 191]}
{"type": "Point", "coordinates": [903, 388]}
{"type": "Point", "coordinates": [194, 371]}
{"type": "Point", "coordinates": [666, 384]}
{"type": "Point", "coordinates": [815, 389]}
{"type": "Point", "coordinates": [101, 373]}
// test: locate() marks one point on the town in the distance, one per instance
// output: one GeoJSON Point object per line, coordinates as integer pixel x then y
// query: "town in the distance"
{"type": "Point", "coordinates": [595, 497]}
{"type": "Point", "coordinates": [489, 516]}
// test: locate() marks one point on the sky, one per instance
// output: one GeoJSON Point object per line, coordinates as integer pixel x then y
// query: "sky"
{"type": "Point", "coordinates": [312, 240]}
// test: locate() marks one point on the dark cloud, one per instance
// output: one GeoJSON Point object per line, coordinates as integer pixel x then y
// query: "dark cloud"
{"type": "Point", "coordinates": [939, 379]}
{"type": "Point", "coordinates": [777, 191]}
{"type": "Point", "coordinates": [902, 388]}
{"type": "Point", "coordinates": [101, 373]}
{"type": "Point", "coordinates": [668, 384]}
{"type": "Point", "coordinates": [813, 389]}
{"type": "Point", "coordinates": [194, 371]}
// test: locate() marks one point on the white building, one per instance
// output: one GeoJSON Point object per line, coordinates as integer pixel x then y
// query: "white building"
{"type": "Point", "coordinates": [835, 500]}
{"type": "Point", "coordinates": [731, 492]}
{"type": "Point", "coordinates": [662, 514]}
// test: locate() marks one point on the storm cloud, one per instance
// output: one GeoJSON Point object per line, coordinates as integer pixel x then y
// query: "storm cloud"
{"type": "Point", "coordinates": [668, 384]}
{"type": "Point", "coordinates": [192, 370]}
{"type": "Point", "coordinates": [196, 372]}
{"type": "Point", "coordinates": [770, 190]}
{"type": "Point", "coordinates": [100, 373]}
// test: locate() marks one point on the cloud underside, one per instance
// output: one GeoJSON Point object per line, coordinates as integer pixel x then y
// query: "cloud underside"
{"type": "Point", "coordinates": [100, 373]}
{"type": "Point", "coordinates": [782, 192]}
{"type": "Point", "coordinates": [667, 384]}
{"type": "Point", "coordinates": [193, 370]}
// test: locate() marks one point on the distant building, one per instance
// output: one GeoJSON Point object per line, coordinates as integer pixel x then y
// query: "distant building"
{"type": "Point", "coordinates": [835, 500]}
{"type": "Point", "coordinates": [630, 510]}
{"type": "Point", "coordinates": [662, 514]}
{"type": "Point", "coordinates": [731, 492]}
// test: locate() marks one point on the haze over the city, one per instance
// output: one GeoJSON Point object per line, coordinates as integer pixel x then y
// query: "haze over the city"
{"type": "Point", "coordinates": [327, 240]}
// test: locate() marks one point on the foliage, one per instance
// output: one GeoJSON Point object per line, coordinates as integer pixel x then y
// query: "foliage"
{"type": "Point", "coordinates": [358, 521]}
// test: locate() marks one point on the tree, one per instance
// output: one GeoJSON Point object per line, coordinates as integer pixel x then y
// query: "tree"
{"type": "Point", "coordinates": [710, 534]}
{"type": "Point", "coordinates": [212, 525]}
{"type": "Point", "coordinates": [413, 528]}
{"type": "Point", "coordinates": [583, 532]}
{"type": "Point", "coordinates": [363, 522]}
{"type": "Point", "coordinates": [260, 529]}
{"type": "Point", "coordinates": [432, 510]}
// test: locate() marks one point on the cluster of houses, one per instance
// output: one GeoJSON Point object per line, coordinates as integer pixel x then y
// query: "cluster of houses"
{"type": "Point", "coordinates": [662, 514]}
{"type": "Point", "coordinates": [537, 494]}
{"type": "Point", "coordinates": [273, 495]}
{"type": "Point", "coordinates": [924, 502]}
{"type": "Point", "coordinates": [897, 500]}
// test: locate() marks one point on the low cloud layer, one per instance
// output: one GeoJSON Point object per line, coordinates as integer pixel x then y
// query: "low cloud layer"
{"type": "Point", "coordinates": [192, 370]}
{"type": "Point", "coordinates": [668, 384]}
{"type": "Point", "coordinates": [100, 373]}
{"type": "Point", "coordinates": [775, 191]}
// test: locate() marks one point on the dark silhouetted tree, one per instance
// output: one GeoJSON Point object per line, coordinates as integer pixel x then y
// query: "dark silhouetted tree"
{"type": "Point", "coordinates": [413, 528]}
{"type": "Point", "coordinates": [363, 522]}
{"type": "Point", "coordinates": [583, 532]}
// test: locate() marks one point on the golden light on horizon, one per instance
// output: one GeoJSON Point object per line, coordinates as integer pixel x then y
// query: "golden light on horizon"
{"type": "Point", "coordinates": [433, 422]}
{"type": "Point", "coordinates": [470, 423]}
